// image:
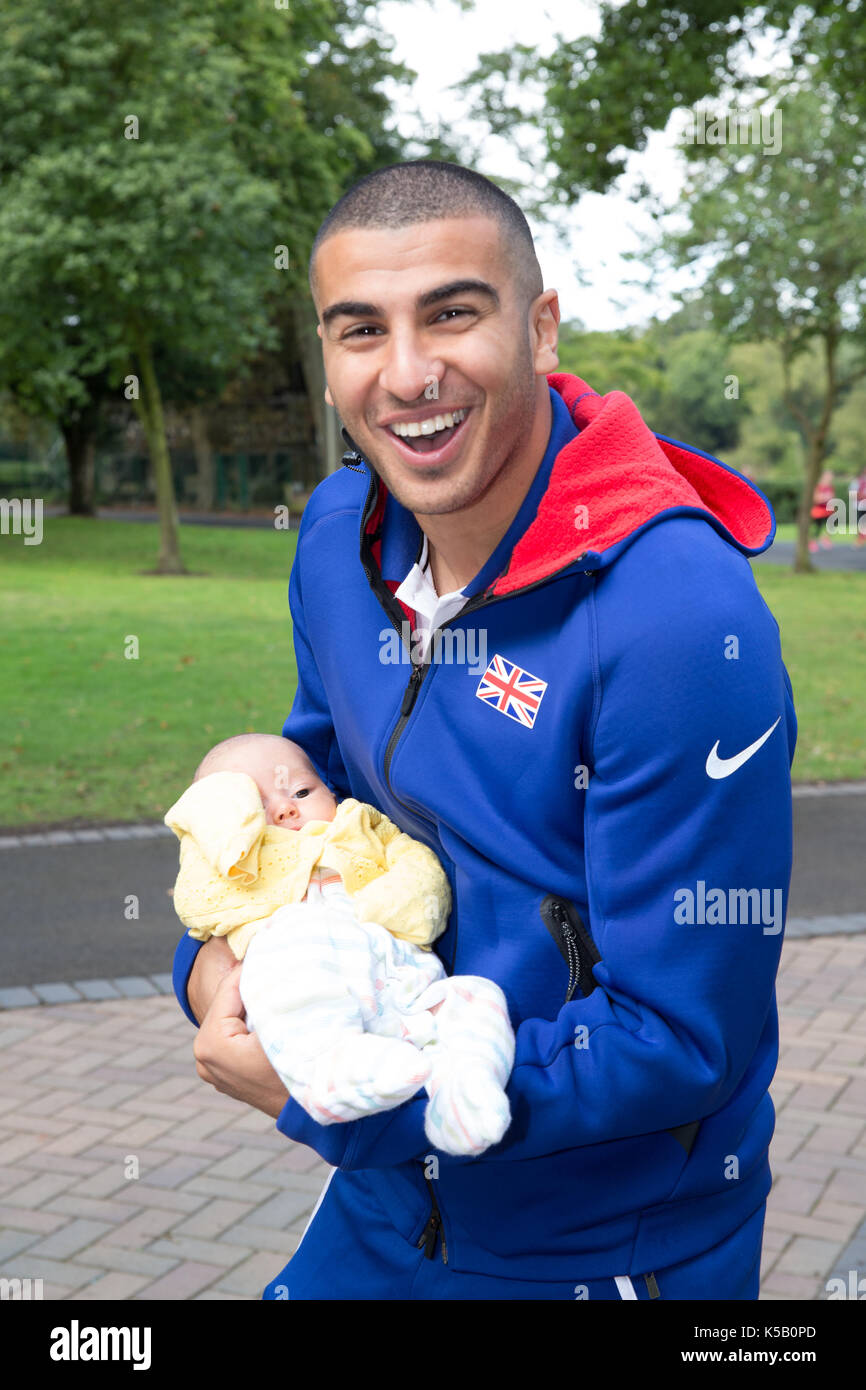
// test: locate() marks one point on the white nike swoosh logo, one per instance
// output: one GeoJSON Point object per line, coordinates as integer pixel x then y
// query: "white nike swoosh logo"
{"type": "Point", "coordinates": [723, 767]}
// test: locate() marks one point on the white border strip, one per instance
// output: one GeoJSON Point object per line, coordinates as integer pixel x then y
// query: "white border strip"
{"type": "Point", "coordinates": [97, 835]}
{"type": "Point", "coordinates": [315, 1210]}
{"type": "Point", "coordinates": [85, 991]}
{"type": "Point", "coordinates": [828, 789]}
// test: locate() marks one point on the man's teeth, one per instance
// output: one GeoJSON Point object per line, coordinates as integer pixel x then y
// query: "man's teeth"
{"type": "Point", "coordinates": [437, 422]}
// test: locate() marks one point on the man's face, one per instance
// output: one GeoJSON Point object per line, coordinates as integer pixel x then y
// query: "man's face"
{"type": "Point", "coordinates": [418, 323]}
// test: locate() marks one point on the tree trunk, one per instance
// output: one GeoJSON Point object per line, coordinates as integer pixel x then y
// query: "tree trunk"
{"type": "Point", "coordinates": [815, 438]}
{"type": "Point", "coordinates": [814, 460]}
{"type": "Point", "coordinates": [153, 422]}
{"type": "Point", "coordinates": [204, 459]}
{"type": "Point", "coordinates": [78, 436]}
{"type": "Point", "coordinates": [329, 445]}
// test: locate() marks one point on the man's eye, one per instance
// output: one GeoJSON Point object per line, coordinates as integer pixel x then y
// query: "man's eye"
{"type": "Point", "coordinates": [361, 330]}
{"type": "Point", "coordinates": [454, 310]}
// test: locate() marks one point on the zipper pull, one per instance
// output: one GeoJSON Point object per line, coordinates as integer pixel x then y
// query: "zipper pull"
{"type": "Point", "coordinates": [411, 690]}
{"type": "Point", "coordinates": [428, 1236]}
{"type": "Point", "coordinates": [573, 951]}
{"type": "Point", "coordinates": [572, 943]}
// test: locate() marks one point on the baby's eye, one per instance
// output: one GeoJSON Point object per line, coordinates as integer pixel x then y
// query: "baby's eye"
{"type": "Point", "coordinates": [303, 791]}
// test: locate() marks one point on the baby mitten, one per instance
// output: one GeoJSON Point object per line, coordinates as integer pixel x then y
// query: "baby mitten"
{"type": "Point", "coordinates": [467, 1112]}
{"type": "Point", "coordinates": [472, 1057]}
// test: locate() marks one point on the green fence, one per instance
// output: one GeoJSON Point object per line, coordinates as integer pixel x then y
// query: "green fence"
{"type": "Point", "coordinates": [240, 480]}
{"type": "Point", "coordinates": [23, 476]}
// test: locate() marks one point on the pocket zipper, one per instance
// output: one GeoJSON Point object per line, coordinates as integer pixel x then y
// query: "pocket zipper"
{"type": "Point", "coordinates": [576, 945]}
{"type": "Point", "coordinates": [433, 1229]}
{"type": "Point", "coordinates": [563, 921]}
{"type": "Point", "coordinates": [571, 948]}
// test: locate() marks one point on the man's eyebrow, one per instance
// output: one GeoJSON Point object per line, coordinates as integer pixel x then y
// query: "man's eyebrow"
{"type": "Point", "coordinates": [353, 308]}
{"type": "Point", "coordinates": [457, 287]}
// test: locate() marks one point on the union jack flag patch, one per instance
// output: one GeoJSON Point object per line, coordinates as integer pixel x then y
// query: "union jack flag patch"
{"type": "Point", "coordinates": [511, 690]}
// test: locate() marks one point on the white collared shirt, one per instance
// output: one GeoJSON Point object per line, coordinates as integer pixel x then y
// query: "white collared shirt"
{"type": "Point", "coordinates": [431, 610]}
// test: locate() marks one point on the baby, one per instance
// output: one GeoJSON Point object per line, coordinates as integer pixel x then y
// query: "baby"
{"type": "Point", "coordinates": [333, 911]}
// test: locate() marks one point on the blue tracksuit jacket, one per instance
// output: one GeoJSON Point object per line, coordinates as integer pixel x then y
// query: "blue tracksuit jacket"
{"type": "Point", "coordinates": [599, 753]}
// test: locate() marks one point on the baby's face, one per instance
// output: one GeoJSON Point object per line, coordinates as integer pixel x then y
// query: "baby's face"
{"type": "Point", "coordinates": [291, 792]}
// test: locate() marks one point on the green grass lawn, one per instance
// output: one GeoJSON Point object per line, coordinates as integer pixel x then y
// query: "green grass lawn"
{"type": "Point", "coordinates": [822, 620]}
{"type": "Point", "coordinates": [90, 735]}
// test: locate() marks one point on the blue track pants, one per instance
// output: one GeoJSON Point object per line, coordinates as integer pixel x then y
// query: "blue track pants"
{"type": "Point", "coordinates": [350, 1251]}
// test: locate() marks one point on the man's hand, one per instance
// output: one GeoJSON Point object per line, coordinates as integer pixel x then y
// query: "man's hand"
{"type": "Point", "coordinates": [232, 1059]}
{"type": "Point", "coordinates": [214, 961]}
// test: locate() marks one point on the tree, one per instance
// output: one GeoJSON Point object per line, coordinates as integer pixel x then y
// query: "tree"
{"type": "Point", "coordinates": [602, 96]}
{"type": "Point", "coordinates": [769, 444]}
{"type": "Point", "coordinates": [781, 240]}
{"type": "Point", "coordinates": [342, 83]}
{"type": "Point", "coordinates": [163, 173]}
{"type": "Point", "coordinates": [127, 219]}
{"type": "Point", "coordinates": [676, 378]}
{"type": "Point", "coordinates": [622, 361]}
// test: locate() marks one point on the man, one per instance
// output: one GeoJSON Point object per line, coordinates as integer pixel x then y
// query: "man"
{"type": "Point", "coordinates": [599, 753]}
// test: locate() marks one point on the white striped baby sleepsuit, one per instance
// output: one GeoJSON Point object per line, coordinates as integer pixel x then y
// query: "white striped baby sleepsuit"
{"type": "Point", "coordinates": [355, 1020]}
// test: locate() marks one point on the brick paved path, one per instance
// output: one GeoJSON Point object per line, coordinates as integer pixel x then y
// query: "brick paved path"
{"type": "Point", "coordinates": [222, 1198]}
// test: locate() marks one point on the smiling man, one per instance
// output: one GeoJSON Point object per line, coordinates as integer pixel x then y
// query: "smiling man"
{"type": "Point", "coordinates": [411, 348]}
{"type": "Point", "coordinates": [629, 741]}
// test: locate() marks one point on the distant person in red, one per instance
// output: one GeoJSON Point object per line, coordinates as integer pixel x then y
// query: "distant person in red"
{"type": "Point", "coordinates": [861, 508]}
{"type": "Point", "coordinates": [821, 509]}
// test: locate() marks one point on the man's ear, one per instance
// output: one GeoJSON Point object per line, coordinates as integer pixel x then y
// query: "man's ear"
{"type": "Point", "coordinates": [329, 399]}
{"type": "Point", "coordinates": [544, 330]}
{"type": "Point", "coordinates": [319, 329]}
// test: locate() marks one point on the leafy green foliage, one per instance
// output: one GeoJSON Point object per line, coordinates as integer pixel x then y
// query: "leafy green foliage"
{"type": "Point", "coordinates": [691, 382]}
{"type": "Point", "coordinates": [604, 95]}
{"type": "Point", "coordinates": [164, 170]}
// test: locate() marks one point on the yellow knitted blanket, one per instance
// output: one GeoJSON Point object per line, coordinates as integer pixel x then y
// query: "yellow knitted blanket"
{"type": "Point", "coordinates": [235, 869]}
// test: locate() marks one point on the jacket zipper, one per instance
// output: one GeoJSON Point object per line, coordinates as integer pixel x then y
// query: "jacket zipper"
{"type": "Point", "coordinates": [409, 697]}
{"type": "Point", "coordinates": [574, 942]}
{"type": "Point", "coordinates": [433, 1229]}
{"type": "Point", "coordinates": [416, 680]}
{"type": "Point", "coordinates": [419, 673]}
{"type": "Point", "coordinates": [581, 953]}
{"type": "Point", "coordinates": [558, 907]}
{"type": "Point", "coordinates": [571, 948]}
{"type": "Point", "coordinates": [395, 613]}
{"type": "Point", "coordinates": [434, 1225]}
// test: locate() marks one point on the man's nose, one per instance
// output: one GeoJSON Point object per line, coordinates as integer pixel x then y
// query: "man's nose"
{"type": "Point", "coordinates": [409, 372]}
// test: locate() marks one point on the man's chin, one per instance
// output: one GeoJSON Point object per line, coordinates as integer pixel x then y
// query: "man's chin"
{"type": "Point", "coordinates": [433, 492]}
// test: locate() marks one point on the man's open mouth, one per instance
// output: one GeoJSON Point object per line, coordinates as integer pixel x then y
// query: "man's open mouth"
{"type": "Point", "coordinates": [426, 436]}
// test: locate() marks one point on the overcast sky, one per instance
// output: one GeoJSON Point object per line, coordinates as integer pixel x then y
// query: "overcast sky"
{"type": "Point", "coordinates": [442, 45]}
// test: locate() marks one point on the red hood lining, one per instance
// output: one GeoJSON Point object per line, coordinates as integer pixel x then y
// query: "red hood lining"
{"type": "Point", "coordinates": [615, 476]}
{"type": "Point", "coordinates": [611, 479]}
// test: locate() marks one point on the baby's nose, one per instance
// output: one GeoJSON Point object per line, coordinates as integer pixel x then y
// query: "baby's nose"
{"type": "Point", "coordinates": [284, 811]}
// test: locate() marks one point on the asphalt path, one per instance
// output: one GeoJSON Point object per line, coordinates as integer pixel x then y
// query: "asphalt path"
{"type": "Point", "coordinates": [63, 915]}
{"type": "Point", "coordinates": [843, 556]}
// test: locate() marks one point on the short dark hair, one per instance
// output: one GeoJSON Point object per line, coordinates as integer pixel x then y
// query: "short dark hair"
{"type": "Point", "coordinates": [427, 190]}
